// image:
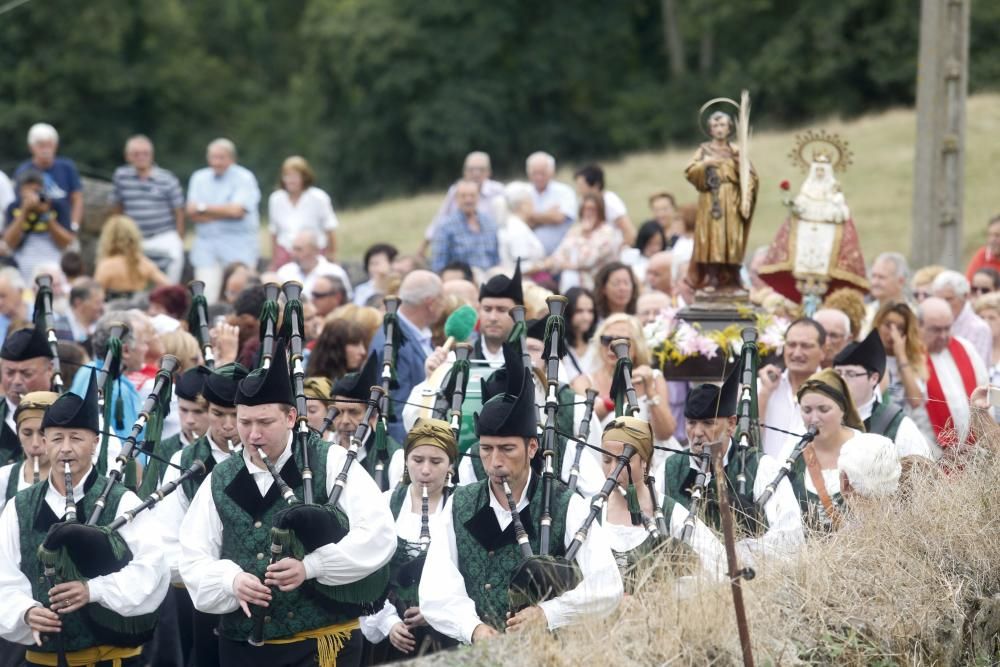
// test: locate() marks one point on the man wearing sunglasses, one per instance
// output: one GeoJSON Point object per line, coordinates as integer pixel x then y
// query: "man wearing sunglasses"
{"type": "Point", "coordinates": [862, 365]}
{"type": "Point", "coordinates": [953, 287]}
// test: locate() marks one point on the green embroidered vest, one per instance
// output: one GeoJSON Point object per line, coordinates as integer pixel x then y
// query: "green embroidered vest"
{"type": "Point", "coordinates": [246, 540]}
{"type": "Point", "coordinates": [404, 571]}
{"type": "Point", "coordinates": [814, 515]}
{"type": "Point", "coordinates": [200, 449]}
{"type": "Point", "coordinates": [93, 625]}
{"type": "Point", "coordinates": [153, 474]}
{"type": "Point", "coordinates": [487, 556]}
{"type": "Point", "coordinates": [885, 420]}
{"type": "Point", "coordinates": [13, 480]}
{"type": "Point", "coordinates": [10, 444]}
{"type": "Point", "coordinates": [371, 459]}
{"type": "Point", "coordinates": [679, 478]}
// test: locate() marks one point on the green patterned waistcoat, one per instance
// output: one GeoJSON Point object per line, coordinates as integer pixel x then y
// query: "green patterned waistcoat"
{"type": "Point", "coordinates": [10, 444]}
{"type": "Point", "coordinates": [679, 478]}
{"type": "Point", "coordinates": [94, 625]}
{"type": "Point", "coordinates": [199, 449]}
{"type": "Point", "coordinates": [487, 556]}
{"type": "Point", "coordinates": [153, 474]}
{"type": "Point", "coordinates": [371, 459]}
{"type": "Point", "coordinates": [13, 480]}
{"type": "Point", "coordinates": [406, 554]}
{"type": "Point", "coordinates": [814, 515]}
{"type": "Point", "coordinates": [246, 540]}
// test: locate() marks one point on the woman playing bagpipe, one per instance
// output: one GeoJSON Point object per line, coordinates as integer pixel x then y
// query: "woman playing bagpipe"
{"type": "Point", "coordinates": [94, 604]}
{"type": "Point", "coordinates": [18, 476]}
{"type": "Point", "coordinates": [417, 504]}
{"type": "Point", "coordinates": [327, 559]}
{"type": "Point", "coordinates": [350, 396]}
{"type": "Point", "coordinates": [710, 417]}
{"type": "Point", "coordinates": [627, 516]}
{"type": "Point", "coordinates": [216, 443]}
{"type": "Point", "coordinates": [466, 590]}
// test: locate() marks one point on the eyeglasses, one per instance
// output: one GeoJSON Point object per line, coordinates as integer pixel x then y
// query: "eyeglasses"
{"type": "Point", "coordinates": [847, 375]}
{"type": "Point", "coordinates": [607, 340]}
{"type": "Point", "coordinates": [980, 290]}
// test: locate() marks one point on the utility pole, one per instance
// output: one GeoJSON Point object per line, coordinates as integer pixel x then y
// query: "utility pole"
{"type": "Point", "coordinates": [939, 167]}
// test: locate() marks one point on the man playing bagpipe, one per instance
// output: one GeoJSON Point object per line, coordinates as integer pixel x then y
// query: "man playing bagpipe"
{"type": "Point", "coordinates": [26, 366]}
{"type": "Point", "coordinates": [217, 443]}
{"type": "Point", "coordinates": [326, 559]}
{"type": "Point", "coordinates": [81, 594]}
{"type": "Point", "coordinates": [350, 395]}
{"type": "Point", "coordinates": [472, 587]}
{"type": "Point", "coordinates": [710, 416]}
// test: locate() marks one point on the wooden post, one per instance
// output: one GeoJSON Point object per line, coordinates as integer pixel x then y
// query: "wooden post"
{"type": "Point", "coordinates": [939, 167]}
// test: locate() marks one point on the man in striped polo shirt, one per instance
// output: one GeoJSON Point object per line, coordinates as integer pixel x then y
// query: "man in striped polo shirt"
{"type": "Point", "coordinates": [152, 196]}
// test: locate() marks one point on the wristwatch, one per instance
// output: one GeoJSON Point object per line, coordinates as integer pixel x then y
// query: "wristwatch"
{"type": "Point", "coordinates": [202, 207]}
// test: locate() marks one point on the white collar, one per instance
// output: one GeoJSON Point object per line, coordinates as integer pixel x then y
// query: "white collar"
{"type": "Point", "coordinates": [278, 464]}
{"type": "Point", "coordinates": [501, 508]}
{"type": "Point", "coordinates": [78, 490]}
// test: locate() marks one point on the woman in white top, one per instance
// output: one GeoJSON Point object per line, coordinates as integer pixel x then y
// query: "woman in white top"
{"type": "Point", "coordinates": [296, 206]}
{"type": "Point", "coordinates": [430, 451]}
{"type": "Point", "coordinates": [516, 240]}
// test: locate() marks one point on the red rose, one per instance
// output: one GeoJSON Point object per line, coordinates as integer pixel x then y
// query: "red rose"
{"type": "Point", "coordinates": [785, 185]}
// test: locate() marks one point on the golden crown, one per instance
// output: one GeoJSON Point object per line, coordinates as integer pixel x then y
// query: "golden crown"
{"type": "Point", "coordinates": [823, 147]}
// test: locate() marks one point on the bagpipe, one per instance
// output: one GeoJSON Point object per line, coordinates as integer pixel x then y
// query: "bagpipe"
{"type": "Point", "coordinates": [582, 433]}
{"type": "Point", "coordinates": [72, 551]}
{"type": "Point", "coordinates": [555, 348]}
{"type": "Point", "coordinates": [44, 319]}
{"type": "Point", "coordinates": [747, 426]}
{"type": "Point", "coordinates": [111, 411]}
{"type": "Point", "coordinates": [786, 467]}
{"type": "Point", "coordinates": [198, 321]}
{"type": "Point", "coordinates": [293, 325]}
{"type": "Point", "coordinates": [393, 339]}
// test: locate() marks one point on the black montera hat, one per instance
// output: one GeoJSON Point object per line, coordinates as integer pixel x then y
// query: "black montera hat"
{"type": "Point", "coordinates": [707, 401]}
{"type": "Point", "coordinates": [25, 344]}
{"type": "Point", "coordinates": [513, 412]}
{"type": "Point", "coordinates": [511, 374]}
{"type": "Point", "coordinates": [71, 411]}
{"type": "Point", "coordinates": [221, 384]}
{"type": "Point", "coordinates": [358, 385]}
{"type": "Point", "coordinates": [869, 354]}
{"type": "Point", "coordinates": [191, 383]}
{"type": "Point", "coordinates": [268, 385]}
{"type": "Point", "coordinates": [501, 286]}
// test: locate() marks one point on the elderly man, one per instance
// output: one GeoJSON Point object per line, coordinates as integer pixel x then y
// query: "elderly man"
{"type": "Point", "coordinates": [61, 179]}
{"type": "Point", "coordinates": [956, 369]}
{"type": "Point", "coordinates": [862, 365]}
{"type": "Point", "coordinates": [478, 170]}
{"type": "Point", "coordinates": [953, 287]}
{"type": "Point", "coordinates": [421, 306]}
{"type": "Point", "coordinates": [328, 294]}
{"type": "Point", "coordinates": [777, 389]}
{"type": "Point", "coordinates": [888, 277]}
{"type": "Point", "coordinates": [222, 202]}
{"type": "Point", "coordinates": [838, 332]}
{"type": "Point", "coordinates": [659, 272]}
{"type": "Point", "coordinates": [554, 202]}
{"type": "Point", "coordinates": [467, 235]}
{"type": "Point", "coordinates": [650, 305]}
{"type": "Point", "coordinates": [308, 264]}
{"type": "Point", "coordinates": [514, 235]}
{"type": "Point", "coordinates": [989, 255]}
{"type": "Point", "coordinates": [86, 305]}
{"type": "Point", "coordinates": [152, 196]}
{"type": "Point", "coordinates": [590, 180]}
{"type": "Point", "coordinates": [869, 470]}
{"type": "Point", "coordinates": [25, 366]}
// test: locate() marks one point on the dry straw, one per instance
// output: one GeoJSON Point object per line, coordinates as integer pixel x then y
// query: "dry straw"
{"type": "Point", "coordinates": [911, 582]}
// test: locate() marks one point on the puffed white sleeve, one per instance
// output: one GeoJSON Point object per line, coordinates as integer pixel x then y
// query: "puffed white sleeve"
{"type": "Point", "coordinates": [139, 587]}
{"type": "Point", "coordinates": [376, 627]}
{"type": "Point", "coordinates": [170, 513]}
{"type": "Point", "coordinates": [785, 533]}
{"type": "Point", "coordinates": [371, 540]}
{"type": "Point", "coordinates": [208, 577]}
{"type": "Point", "coordinates": [601, 588]}
{"type": "Point", "coordinates": [14, 586]}
{"type": "Point", "coordinates": [444, 602]}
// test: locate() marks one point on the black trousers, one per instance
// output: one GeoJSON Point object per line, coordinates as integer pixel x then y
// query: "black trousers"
{"type": "Point", "coordinates": [299, 654]}
{"type": "Point", "coordinates": [199, 639]}
{"type": "Point", "coordinates": [11, 654]}
{"type": "Point", "coordinates": [166, 648]}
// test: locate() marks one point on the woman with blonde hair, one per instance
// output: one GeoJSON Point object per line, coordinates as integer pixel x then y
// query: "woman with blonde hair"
{"type": "Point", "coordinates": [122, 269]}
{"type": "Point", "coordinates": [368, 318]}
{"type": "Point", "coordinates": [297, 205]}
{"type": "Point", "coordinates": [184, 346]}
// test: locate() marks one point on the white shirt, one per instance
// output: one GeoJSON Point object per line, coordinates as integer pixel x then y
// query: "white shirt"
{"type": "Point", "coordinates": [448, 609]}
{"type": "Point", "coordinates": [313, 211]}
{"type": "Point", "coordinates": [516, 239]}
{"type": "Point", "coordinates": [9, 418]}
{"type": "Point", "coordinates": [324, 267]}
{"type": "Point", "coordinates": [782, 412]}
{"type": "Point", "coordinates": [171, 511]}
{"type": "Point", "coordinates": [377, 626]}
{"type": "Point", "coordinates": [7, 196]}
{"type": "Point", "coordinates": [5, 473]}
{"type": "Point", "coordinates": [560, 195]}
{"type": "Point", "coordinates": [368, 545]}
{"type": "Point", "coordinates": [136, 589]}
{"type": "Point", "coordinates": [614, 207]}
{"type": "Point", "coordinates": [909, 440]}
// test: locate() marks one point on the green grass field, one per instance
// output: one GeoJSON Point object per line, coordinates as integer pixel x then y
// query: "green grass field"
{"type": "Point", "coordinates": [878, 185]}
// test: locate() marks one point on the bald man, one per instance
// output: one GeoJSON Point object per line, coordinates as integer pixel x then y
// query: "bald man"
{"type": "Point", "coordinates": [464, 290]}
{"type": "Point", "coordinates": [658, 272]}
{"type": "Point", "coordinates": [422, 303]}
{"type": "Point", "coordinates": [955, 371]}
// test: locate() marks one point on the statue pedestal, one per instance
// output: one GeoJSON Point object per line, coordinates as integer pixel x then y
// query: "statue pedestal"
{"type": "Point", "coordinates": [713, 310]}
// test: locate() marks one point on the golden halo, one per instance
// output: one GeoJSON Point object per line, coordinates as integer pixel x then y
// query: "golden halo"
{"type": "Point", "coordinates": [703, 123]}
{"type": "Point", "coordinates": [812, 142]}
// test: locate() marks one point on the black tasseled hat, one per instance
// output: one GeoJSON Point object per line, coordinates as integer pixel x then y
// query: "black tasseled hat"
{"type": "Point", "coordinates": [869, 354]}
{"type": "Point", "coordinates": [25, 344]}
{"type": "Point", "coordinates": [270, 385]}
{"type": "Point", "coordinates": [536, 329]}
{"type": "Point", "coordinates": [707, 401]}
{"type": "Point", "coordinates": [220, 385]}
{"type": "Point", "coordinates": [71, 411]}
{"type": "Point", "coordinates": [513, 412]}
{"type": "Point", "coordinates": [358, 385]}
{"type": "Point", "coordinates": [501, 286]}
{"type": "Point", "coordinates": [191, 383]}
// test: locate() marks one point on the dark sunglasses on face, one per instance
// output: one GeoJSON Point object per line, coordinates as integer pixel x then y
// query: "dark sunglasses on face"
{"type": "Point", "coordinates": [981, 290]}
{"type": "Point", "coordinates": [607, 340]}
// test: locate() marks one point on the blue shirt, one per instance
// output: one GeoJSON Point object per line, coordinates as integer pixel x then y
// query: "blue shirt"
{"type": "Point", "coordinates": [224, 241]}
{"type": "Point", "coordinates": [61, 179]}
{"type": "Point", "coordinates": [123, 387]}
{"type": "Point", "coordinates": [455, 241]}
{"type": "Point", "coordinates": [554, 194]}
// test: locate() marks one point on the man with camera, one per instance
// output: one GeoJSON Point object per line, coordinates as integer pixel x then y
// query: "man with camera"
{"type": "Point", "coordinates": [37, 228]}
